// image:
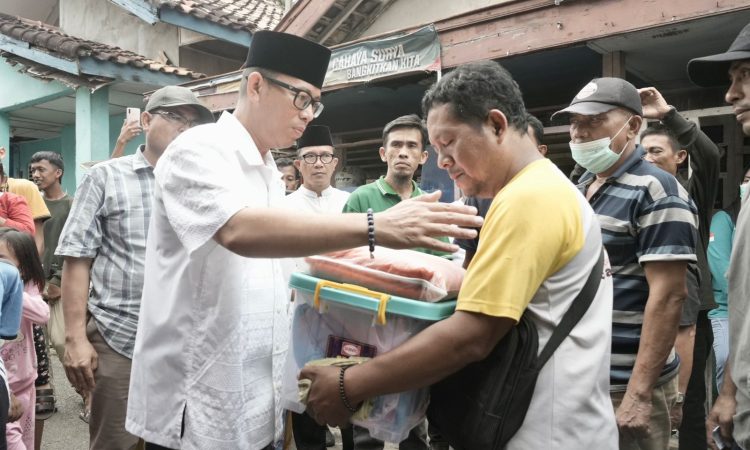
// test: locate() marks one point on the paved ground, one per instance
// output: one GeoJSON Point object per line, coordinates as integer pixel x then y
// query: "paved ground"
{"type": "Point", "coordinates": [64, 430]}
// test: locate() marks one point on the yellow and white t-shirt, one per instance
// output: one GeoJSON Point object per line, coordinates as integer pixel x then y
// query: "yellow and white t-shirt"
{"type": "Point", "coordinates": [540, 240]}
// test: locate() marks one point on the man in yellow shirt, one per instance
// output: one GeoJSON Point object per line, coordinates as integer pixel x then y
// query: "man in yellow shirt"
{"type": "Point", "coordinates": [540, 241]}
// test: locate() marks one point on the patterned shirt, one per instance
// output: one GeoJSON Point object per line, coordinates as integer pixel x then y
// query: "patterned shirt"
{"type": "Point", "coordinates": [645, 215]}
{"type": "Point", "coordinates": [108, 223]}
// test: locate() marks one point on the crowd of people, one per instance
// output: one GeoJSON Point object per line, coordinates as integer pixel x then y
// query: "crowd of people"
{"type": "Point", "coordinates": [163, 284]}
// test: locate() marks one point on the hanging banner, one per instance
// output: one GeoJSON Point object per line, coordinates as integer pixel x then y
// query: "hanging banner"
{"type": "Point", "coordinates": [414, 52]}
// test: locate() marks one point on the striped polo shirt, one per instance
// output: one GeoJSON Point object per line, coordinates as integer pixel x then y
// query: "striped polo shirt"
{"type": "Point", "coordinates": [645, 215]}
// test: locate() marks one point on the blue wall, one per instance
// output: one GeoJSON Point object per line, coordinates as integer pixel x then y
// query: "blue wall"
{"type": "Point", "coordinates": [66, 145]}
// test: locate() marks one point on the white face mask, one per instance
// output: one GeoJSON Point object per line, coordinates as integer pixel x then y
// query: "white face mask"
{"type": "Point", "coordinates": [743, 190]}
{"type": "Point", "coordinates": [597, 156]}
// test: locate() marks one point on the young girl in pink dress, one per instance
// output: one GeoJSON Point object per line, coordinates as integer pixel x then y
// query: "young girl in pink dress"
{"type": "Point", "coordinates": [19, 355]}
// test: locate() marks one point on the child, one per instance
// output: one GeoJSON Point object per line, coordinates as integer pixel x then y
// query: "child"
{"type": "Point", "coordinates": [19, 354]}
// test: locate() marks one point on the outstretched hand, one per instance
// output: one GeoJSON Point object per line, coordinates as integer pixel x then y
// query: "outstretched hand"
{"type": "Point", "coordinates": [419, 221]}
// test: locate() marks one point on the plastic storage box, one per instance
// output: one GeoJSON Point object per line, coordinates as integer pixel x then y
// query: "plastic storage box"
{"type": "Point", "coordinates": [334, 319]}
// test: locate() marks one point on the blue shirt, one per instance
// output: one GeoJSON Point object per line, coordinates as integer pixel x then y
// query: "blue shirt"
{"type": "Point", "coordinates": [719, 252]}
{"type": "Point", "coordinates": [11, 289]}
{"type": "Point", "coordinates": [645, 215]}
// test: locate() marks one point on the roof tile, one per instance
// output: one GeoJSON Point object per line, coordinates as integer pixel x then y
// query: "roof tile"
{"type": "Point", "coordinates": [54, 41]}
{"type": "Point", "coordinates": [250, 15]}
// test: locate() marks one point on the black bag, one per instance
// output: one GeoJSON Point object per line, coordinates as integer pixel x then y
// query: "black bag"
{"type": "Point", "coordinates": [483, 405]}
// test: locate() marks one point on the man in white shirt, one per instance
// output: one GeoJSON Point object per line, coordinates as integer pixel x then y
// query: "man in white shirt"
{"type": "Point", "coordinates": [317, 163]}
{"type": "Point", "coordinates": [214, 322]}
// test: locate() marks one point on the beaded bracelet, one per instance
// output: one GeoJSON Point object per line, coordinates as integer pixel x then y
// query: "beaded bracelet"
{"type": "Point", "coordinates": [342, 392]}
{"type": "Point", "coordinates": [371, 232]}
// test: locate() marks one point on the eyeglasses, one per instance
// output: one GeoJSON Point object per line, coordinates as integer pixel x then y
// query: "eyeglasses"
{"type": "Point", "coordinates": [302, 98]}
{"type": "Point", "coordinates": [176, 118]}
{"type": "Point", "coordinates": [311, 158]}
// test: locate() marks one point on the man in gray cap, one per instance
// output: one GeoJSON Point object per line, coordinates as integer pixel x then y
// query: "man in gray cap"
{"type": "Point", "coordinates": [731, 412]}
{"type": "Point", "coordinates": [649, 230]}
{"type": "Point", "coordinates": [214, 324]}
{"type": "Point", "coordinates": [104, 243]}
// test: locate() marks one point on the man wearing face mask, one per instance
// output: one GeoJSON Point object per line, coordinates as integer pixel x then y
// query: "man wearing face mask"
{"type": "Point", "coordinates": [649, 230]}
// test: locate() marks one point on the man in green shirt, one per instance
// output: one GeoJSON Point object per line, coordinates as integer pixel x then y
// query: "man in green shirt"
{"type": "Point", "coordinates": [46, 170]}
{"type": "Point", "coordinates": [403, 150]}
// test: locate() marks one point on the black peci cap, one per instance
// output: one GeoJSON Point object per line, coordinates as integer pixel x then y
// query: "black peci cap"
{"type": "Point", "coordinates": [314, 136]}
{"type": "Point", "coordinates": [290, 55]}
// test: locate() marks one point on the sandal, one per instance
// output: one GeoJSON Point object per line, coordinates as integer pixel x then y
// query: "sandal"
{"type": "Point", "coordinates": [45, 404]}
{"type": "Point", "coordinates": [84, 415]}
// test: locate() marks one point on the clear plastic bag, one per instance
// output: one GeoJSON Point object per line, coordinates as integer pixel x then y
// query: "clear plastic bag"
{"type": "Point", "coordinates": [393, 415]}
{"type": "Point", "coordinates": [405, 273]}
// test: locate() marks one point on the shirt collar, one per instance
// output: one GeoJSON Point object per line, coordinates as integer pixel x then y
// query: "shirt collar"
{"type": "Point", "coordinates": [307, 192]}
{"type": "Point", "coordinates": [635, 158]}
{"type": "Point", "coordinates": [139, 161]}
{"type": "Point", "coordinates": [237, 134]}
{"type": "Point", "coordinates": [386, 189]}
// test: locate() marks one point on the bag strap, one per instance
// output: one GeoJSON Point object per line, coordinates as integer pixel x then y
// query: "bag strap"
{"type": "Point", "coordinates": [576, 311]}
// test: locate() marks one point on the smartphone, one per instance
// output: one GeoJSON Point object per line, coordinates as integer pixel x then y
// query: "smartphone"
{"type": "Point", "coordinates": [718, 440]}
{"type": "Point", "coordinates": [133, 115]}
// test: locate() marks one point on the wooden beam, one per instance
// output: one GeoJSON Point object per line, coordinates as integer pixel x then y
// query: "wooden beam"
{"type": "Point", "coordinates": [531, 25]}
{"type": "Point", "coordinates": [613, 64]}
{"type": "Point", "coordinates": [334, 24]}
{"type": "Point", "coordinates": [360, 143]}
{"type": "Point", "coordinates": [143, 10]}
{"type": "Point", "coordinates": [303, 16]}
{"type": "Point", "coordinates": [225, 33]}
{"type": "Point", "coordinates": [25, 50]}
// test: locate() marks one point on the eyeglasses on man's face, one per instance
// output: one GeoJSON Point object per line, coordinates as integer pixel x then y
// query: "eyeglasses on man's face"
{"type": "Point", "coordinates": [177, 118]}
{"type": "Point", "coordinates": [302, 98]}
{"type": "Point", "coordinates": [311, 158]}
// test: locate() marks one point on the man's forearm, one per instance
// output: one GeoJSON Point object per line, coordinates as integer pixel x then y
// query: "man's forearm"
{"type": "Point", "coordinates": [428, 357]}
{"type": "Point", "coordinates": [277, 233]}
{"type": "Point", "coordinates": [684, 344]}
{"type": "Point", "coordinates": [75, 295]}
{"type": "Point", "coordinates": [728, 388]}
{"type": "Point", "coordinates": [660, 322]}
{"type": "Point", "coordinates": [274, 233]}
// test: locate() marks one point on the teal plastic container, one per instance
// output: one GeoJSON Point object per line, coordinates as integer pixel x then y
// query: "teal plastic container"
{"type": "Point", "coordinates": [327, 312]}
{"type": "Point", "coordinates": [355, 296]}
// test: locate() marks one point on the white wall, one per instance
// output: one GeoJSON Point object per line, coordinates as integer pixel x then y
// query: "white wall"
{"type": "Point", "coordinates": [406, 13]}
{"type": "Point", "coordinates": [105, 22]}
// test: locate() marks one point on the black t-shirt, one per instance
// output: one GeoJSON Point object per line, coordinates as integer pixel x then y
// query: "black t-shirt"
{"type": "Point", "coordinates": [482, 205]}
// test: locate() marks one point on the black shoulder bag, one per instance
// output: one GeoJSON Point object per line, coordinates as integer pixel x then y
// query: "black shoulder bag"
{"type": "Point", "coordinates": [484, 404]}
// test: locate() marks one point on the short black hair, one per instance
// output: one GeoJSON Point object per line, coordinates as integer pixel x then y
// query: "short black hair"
{"type": "Point", "coordinates": [24, 248]}
{"type": "Point", "coordinates": [661, 130]}
{"type": "Point", "coordinates": [286, 162]}
{"type": "Point", "coordinates": [537, 127]}
{"type": "Point", "coordinates": [53, 158]}
{"type": "Point", "coordinates": [246, 73]}
{"type": "Point", "coordinates": [474, 89]}
{"type": "Point", "coordinates": [409, 121]}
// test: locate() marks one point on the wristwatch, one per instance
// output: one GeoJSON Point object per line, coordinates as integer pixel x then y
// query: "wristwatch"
{"type": "Point", "coordinates": [680, 398]}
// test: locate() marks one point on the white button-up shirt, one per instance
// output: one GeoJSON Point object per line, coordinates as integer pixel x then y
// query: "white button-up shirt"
{"type": "Point", "coordinates": [331, 200]}
{"type": "Point", "coordinates": [214, 326]}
